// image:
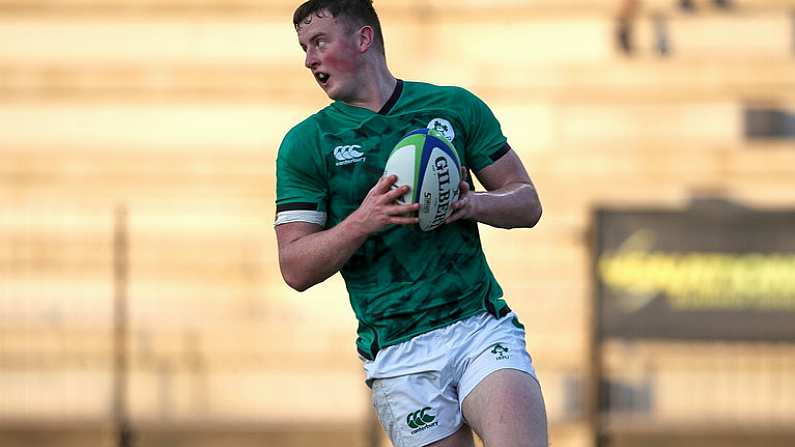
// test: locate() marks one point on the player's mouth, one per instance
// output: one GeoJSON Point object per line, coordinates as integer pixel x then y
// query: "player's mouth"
{"type": "Point", "coordinates": [322, 78]}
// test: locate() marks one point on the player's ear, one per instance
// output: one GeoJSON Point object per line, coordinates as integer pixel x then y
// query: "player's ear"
{"type": "Point", "coordinates": [365, 38]}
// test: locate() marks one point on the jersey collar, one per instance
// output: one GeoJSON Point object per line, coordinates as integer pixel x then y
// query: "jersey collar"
{"type": "Point", "coordinates": [392, 99]}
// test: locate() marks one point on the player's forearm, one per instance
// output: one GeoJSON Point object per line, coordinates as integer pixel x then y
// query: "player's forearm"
{"type": "Point", "coordinates": [308, 256]}
{"type": "Point", "coordinates": [316, 257]}
{"type": "Point", "coordinates": [515, 205]}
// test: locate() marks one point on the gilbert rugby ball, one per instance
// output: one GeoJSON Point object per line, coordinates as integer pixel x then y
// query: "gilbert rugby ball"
{"type": "Point", "coordinates": [428, 163]}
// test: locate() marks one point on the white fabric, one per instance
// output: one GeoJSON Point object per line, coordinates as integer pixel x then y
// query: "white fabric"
{"type": "Point", "coordinates": [315, 217]}
{"type": "Point", "coordinates": [419, 385]}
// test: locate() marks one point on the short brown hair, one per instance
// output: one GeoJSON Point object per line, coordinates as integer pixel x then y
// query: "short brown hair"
{"type": "Point", "coordinates": [353, 13]}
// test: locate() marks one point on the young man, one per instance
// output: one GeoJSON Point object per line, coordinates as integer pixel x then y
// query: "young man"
{"type": "Point", "coordinates": [442, 351]}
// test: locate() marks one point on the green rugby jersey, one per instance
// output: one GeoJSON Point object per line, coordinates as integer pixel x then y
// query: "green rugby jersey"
{"type": "Point", "coordinates": [402, 282]}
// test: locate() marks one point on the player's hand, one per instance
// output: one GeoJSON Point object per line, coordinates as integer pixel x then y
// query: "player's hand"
{"type": "Point", "coordinates": [380, 208]}
{"type": "Point", "coordinates": [465, 206]}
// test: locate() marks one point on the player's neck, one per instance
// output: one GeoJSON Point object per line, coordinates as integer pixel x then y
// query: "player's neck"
{"type": "Point", "coordinates": [376, 88]}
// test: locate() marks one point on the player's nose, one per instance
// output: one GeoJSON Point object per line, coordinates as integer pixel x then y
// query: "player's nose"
{"type": "Point", "coordinates": [311, 59]}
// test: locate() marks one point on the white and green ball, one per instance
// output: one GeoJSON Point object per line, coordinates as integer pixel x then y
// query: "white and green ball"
{"type": "Point", "coordinates": [428, 163]}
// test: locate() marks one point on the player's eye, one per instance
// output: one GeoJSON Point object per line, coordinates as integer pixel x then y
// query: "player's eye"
{"type": "Point", "coordinates": [321, 44]}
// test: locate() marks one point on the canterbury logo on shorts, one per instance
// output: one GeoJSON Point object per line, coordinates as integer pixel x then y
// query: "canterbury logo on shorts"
{"type": "Point", "coordinates": [421, 419]}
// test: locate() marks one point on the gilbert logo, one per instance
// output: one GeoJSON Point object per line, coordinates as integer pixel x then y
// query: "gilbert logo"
{"type": "Point", "coordinates": [348, 154]}
{"type": "Point", "coordinates": [421, 420]}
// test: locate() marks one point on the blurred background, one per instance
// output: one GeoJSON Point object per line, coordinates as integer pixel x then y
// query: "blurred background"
{"type": "Point", "coordinates": [141, 302]}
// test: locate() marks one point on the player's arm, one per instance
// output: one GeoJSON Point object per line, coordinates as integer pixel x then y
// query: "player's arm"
{"type": "Point", "coordinates": [510, 199]}
{"type": "Point", "coordinates": [309, 254]}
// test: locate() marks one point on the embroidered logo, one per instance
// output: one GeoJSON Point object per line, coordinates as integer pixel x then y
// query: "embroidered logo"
{"type": "Point", "coordinates": [500, 352]}
{"type": "Point", "coordinates": [348, 154]}
{"type": "Point", "coordinates": [442, 126]}
{"type": "Point", "coordinates": [421, 420]}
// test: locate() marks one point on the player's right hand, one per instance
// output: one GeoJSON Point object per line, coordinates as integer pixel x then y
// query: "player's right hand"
{"type": "Point", "coordinates": [380, 207]}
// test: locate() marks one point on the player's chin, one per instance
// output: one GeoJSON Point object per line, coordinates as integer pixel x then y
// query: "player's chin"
{"type": "Point", "coordinates": [332, 96]}
{"type": "Point", "coordinates": [328, 87]}
{"type": "Point", "coordinates": [335, 91]}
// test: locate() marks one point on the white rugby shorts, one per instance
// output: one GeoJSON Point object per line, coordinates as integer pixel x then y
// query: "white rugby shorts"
{"type": "Point", "coordinates": [419, 385]}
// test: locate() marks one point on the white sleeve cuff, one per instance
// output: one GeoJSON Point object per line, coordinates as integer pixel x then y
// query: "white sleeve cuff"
{"type": "Point", "coordinates": [315, 217]}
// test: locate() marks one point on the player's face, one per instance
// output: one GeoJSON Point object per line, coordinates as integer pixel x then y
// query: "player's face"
{"type": "Point", "coordinates": [331, 54]}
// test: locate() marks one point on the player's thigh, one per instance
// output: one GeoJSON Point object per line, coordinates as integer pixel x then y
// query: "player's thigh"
{"type": "Point", "coordinates": [418, 409]}
{"type": "Point", "coordinates": [506, 409]}
{"type": "Point", "coordinates": [461, 438]}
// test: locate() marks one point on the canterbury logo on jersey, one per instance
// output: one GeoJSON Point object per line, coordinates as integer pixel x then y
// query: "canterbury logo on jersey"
{"type": "Point", "coordinates": [421, 420]}
{"type": "Point", "coordinates": [348, 154]}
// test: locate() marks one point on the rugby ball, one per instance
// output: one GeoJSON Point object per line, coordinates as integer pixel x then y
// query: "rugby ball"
{"type": "Point", "coordinates": [427, 162]}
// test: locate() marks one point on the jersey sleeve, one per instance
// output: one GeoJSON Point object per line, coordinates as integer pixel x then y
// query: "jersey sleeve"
{"type": "Point", "coordinates": [301, 187]}
{"type": "Point", "coordinates": [485, 142]}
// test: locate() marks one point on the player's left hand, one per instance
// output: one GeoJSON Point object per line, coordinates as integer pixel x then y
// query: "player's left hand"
{"type": "Point", "coordinates": [464, 207]}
